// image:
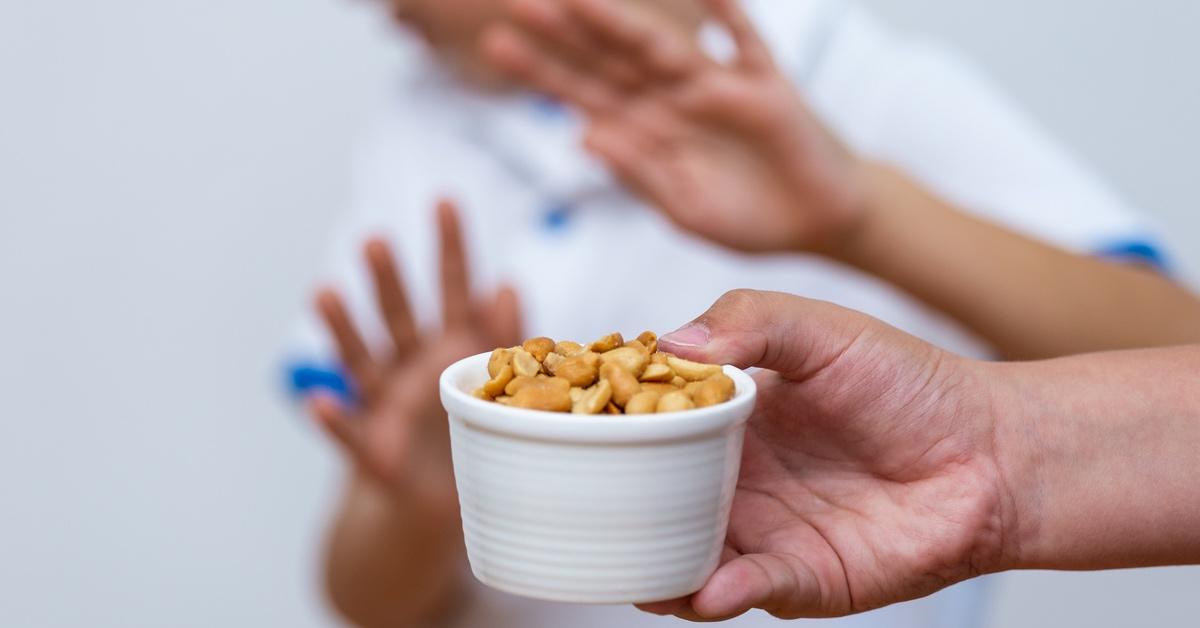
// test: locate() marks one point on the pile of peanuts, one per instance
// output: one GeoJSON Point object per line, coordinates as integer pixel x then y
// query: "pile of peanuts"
{"type": "Point", "coordinates": [608, 376]}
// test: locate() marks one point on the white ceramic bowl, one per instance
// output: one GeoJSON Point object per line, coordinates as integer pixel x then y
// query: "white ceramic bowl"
{"type": "Point", "coordinates": [593, 509]}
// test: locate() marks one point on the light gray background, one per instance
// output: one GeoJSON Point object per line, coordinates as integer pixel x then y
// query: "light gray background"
{"type": "Point", "coordinates": [168, 169]}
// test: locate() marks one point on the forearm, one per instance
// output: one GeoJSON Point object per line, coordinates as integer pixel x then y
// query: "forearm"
{"type": "Point", "coordinates": [385, 566]}
{"type": "Point", "coordinates": [1028, 299]}
{"type": "Point", "coordinates": [1101, 454]}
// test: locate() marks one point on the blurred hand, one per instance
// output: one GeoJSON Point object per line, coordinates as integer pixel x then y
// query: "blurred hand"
{"type": "Point", "coordinates": [399, 437]}
{"type": "Point", "coordinates": [729, 152]}
{"type": "Point", "coordinates": [870, 473]}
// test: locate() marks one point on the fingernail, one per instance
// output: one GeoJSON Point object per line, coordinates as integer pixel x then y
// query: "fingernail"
{"type": "Point", "coordinates": [690, 335]}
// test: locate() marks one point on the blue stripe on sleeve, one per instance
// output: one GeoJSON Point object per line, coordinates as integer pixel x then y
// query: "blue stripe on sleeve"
{"type": "Point", "coordinates": [305, 378]}
{"type": "Point", "coordinates": [1139, 251]}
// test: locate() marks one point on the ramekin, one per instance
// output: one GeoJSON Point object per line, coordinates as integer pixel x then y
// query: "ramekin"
{"type": "Point", "coordinates": [605, 509]}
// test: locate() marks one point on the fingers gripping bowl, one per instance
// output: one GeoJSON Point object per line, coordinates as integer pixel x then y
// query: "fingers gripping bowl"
{"type": "Point", "coordinates": [593, 508]}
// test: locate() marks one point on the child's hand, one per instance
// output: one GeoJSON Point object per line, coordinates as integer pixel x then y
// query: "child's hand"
{"type": "Point", "coordinates": [729, 152]}
{"type": "Point", "coordinates": [399, 436]}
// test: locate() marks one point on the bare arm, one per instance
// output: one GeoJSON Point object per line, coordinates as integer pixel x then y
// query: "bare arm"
{"type": "Point", "coordinates": [731, 152]}
{"type": "Point", "coordinates": [395, 551]}
{"type": "Point", "coordinates": [1104, 454]}
{"type": "Point", "coordinates": [386, 565]}
{"type": "Point", "coordinates": [1029, 299]}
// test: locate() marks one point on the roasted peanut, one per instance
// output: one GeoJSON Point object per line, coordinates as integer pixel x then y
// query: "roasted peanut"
{"type": "Point", "coordinates": [495, 386]}
{"type": "Point", "coordinates": [552, 360]}
{"type": "Point", "coordinates": [677, 401]}
{"type": "Point", "coordinates": [518, 383]}
{"type": "Point", "coordinates": [645, 402]}
{"type": "Point", "coordinates": [548, 398]}
{"type": "Point", "coordinates": [649, 340]}
{"type": "Point", "coordinates": [500, 357]}
{"type": "Point", "coordinates": [692, 371]}
{"type": "Point", "coordinates": [661, 389]}
{"type": "Point", "coordinates": [539, 348]}
{"type": "Point", "coordinates": [628, 358]}
{"type": "Point", "coordinates": [624, 384]}
{"type": "Point", "coordinates": [609, 376]}
{"type": "Point", "coordinates": [479, 393]}
{"type": "Point", "coordinates": [714, 390]}
{"type": "Point", "coordinates": [657, 373]}
{"type": "Point", "coordinates": [524, 364]}
{"type": "Point", "coordinates": [607, 343]}
{"type": "Point", "coordinates": [594, 399]}
{"type": "Point", "coordinates": [580, 369]}
{"type": "Point", "coordinates": [566, 348]}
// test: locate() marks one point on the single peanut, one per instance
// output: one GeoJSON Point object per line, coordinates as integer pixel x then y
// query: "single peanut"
{"type": "Point", "coordinates": [678, 382]}
{"type": "Point", "coordinates": [539, 348]}
{"type": "Point", "coordinates": [566, 348]}
{"type": "Point", "coordinates": [677, 401]}
{"type": "Point", "coordinates": [552, 360]}
{"type": "Point", "coordinates": [657, 373]}
{"type": "Point", "coordinates": [500, 357]}
{"type": "Point", "coordinates": [607, 343]}
{"type": "Point", "coordinates": [624, 384]}
{"type": "Point", "coordinates": [548, 398]}
{"type": "Point", "coordinates": [645, 402]}
{"type": "Point", "coordinates": [580, 369]}
{"type": "Point", "coordinates": [520, 382]}
{"type": "Point", "coordinates": [628, 358]}
{"type": "Point", "coordinates": [495, 386]}
{"type": "Point", "coordinates": [594, 400]}
{"type": "Point", "coordinates": [714, 390]}
{"type": "Point", "coordinates": [661, 389]}
{"type": "Point", "coordinates": [692, 371]}
{"type": "Point", "coordinates": [650, 340]}
{"type": "Point", "coordinates": [524, 364]}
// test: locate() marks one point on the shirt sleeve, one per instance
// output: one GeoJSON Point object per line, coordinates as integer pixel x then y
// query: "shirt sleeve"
{"type": "Point", "coordinates": [925, 110]}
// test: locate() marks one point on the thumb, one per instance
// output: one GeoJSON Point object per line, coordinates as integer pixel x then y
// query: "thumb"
{"type": "Point", "coordinates": [793, 336]}
{"type": "Point", "coordinates": [502, 316]}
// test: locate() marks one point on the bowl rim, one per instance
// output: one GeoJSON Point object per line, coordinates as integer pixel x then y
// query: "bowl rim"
{"type": "Point", "coordinates": [603, 428]}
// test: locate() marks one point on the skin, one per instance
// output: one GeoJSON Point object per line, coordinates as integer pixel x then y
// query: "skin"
{"type": "Point", "coordinates": [395, 549]}
{"type": "Point", "coordinates": [710, 144]}
{"type": "Point", "coordinates": [879, 468]}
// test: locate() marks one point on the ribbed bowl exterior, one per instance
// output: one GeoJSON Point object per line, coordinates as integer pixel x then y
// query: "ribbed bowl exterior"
{"type": "Point", "coordinates": [597, 524]}
{"type": "Point", "coordinates": [594, 521]}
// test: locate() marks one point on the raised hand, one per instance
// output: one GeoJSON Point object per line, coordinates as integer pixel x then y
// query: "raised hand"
{"type": "Point", "coordinates": [727, 151]}
{"type": "Point", "coordinates": [870, 473]}
{"type": "Point", "coordinates": [398, 436]}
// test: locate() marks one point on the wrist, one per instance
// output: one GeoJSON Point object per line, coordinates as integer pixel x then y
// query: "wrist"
{"type": "Point", "coordinates": [1018, 460]}
{"type": "Point", "coordinates": [855, 238]}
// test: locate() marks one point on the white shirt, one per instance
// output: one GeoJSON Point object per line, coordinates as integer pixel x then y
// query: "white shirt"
{"type": "Point", "coordinates": [588, 259]}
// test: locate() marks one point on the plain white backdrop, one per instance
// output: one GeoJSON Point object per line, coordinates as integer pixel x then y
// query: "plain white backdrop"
{"type": "Point", "coordinates": [168, 171]}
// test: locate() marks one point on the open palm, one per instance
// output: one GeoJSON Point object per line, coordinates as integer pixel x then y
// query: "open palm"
{"type": "Point", "coordinates": [398, 435]}
{"type": "Point", "coordinates": [868, 476]}
{"type": "Point", "coordinates": [728, 151]}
